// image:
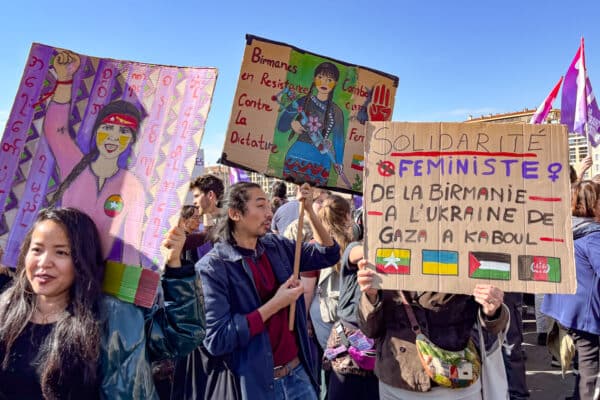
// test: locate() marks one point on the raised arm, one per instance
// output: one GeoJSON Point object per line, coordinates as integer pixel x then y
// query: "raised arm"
{"type": "Point", "coordinates": [56, 122]}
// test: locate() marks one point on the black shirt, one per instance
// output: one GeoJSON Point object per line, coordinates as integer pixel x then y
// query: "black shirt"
{"type": "Point", "coordinates": [21, 380]}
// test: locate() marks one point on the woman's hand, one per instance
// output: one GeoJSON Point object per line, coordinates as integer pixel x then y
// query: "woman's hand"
{"type": "Point", "coordinates": [490, 298]}
{"type": "Point", "coordinates": [297, 127]}
{"type": "Point", "coordinates": [172, 246]}
{"type": "Point", "coordinates": [365, 280]}
{"type": "Point", "coordinates": [65, 64]}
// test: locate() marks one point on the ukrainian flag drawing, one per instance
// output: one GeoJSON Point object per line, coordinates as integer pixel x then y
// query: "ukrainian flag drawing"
{"type": "Point", "coordinates": [440, 262]}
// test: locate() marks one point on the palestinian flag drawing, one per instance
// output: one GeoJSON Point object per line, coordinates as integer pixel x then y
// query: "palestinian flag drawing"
{"type": "Point", "coordinates": [484, 265]}
{"type": "Point", "coordinates": [539, 268]}
{"type": "Point", "coordinates": [393, 261]}
{"type": "Point", "coordinates": [440, 262]}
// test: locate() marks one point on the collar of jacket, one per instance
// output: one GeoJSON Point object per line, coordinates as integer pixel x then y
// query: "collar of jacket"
{"type": "Point", "coordinates": [229, 252]}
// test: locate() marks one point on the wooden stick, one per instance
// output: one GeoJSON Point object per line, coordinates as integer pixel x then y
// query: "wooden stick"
{"type": "Point", "coordinates": [299, 237]}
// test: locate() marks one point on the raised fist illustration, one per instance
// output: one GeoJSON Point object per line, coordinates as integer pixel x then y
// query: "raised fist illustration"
{"type": "Point", "coordinates": [65, 64]}
{"type": "Point", "coordinates": [379, 109]}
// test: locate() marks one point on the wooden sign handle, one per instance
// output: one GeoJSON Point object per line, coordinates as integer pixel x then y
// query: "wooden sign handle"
{"type": "Point", "coordinates": [299, 237]}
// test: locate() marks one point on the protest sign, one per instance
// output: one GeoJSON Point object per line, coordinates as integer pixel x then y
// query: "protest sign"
{"type": "Point", "coordinates": [451, 205]}
{"type": "Point", "coordinates": [116, 139]}
{"type": "Point", "coordinates": [297, 115]}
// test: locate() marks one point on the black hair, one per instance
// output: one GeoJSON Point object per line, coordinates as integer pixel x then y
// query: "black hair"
{"type": "Point", "coordinates": [187, 211]}
{"type": "Point", "coordinates": [279, 189]}
{"type": "Point", "coordinates": [237, 199]}
{"type": "Point", "coordinates": [71, 352]}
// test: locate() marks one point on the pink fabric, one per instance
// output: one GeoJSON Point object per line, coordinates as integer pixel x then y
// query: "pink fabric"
{"type": "Point", "coordinates": [84, 193]}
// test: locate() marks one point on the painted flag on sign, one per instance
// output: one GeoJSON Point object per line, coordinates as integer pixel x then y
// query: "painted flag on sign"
{"type": "Point", "coordinates": [539, 268]}
{"type": "Point", "coordinates": [440, 262]}
{"type": "Point", "coordinates": [484, 265]}
{"type": "Point", "coordinates": [393, 261]}
{"type": "Point", "coordinates": [358, 162]}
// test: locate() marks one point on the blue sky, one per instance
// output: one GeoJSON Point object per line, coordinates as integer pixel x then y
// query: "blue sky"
{"type": "Point", "coordinates": [454, 59]}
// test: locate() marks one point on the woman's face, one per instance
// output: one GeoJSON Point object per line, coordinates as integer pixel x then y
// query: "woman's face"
{"type": "Point", "coordinates": [192, 223]}
{"type": "Point", "coordinates": [48, 263]}
{"type": "Point", "coordinates": [324, 83]}
{"type": "Point", "coordinates": [112, 139]}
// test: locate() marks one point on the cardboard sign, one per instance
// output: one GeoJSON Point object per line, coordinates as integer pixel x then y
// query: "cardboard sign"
{"type": "Point", "coordinates": [451, 205]}
{"type": "Point", "coordinates": [116, 139]}
{"type": "Point", "coordinates": [299, 116]}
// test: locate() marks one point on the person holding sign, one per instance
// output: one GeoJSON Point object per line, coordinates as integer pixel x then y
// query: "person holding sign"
{"type": "Point", "coordinates": [319, 124]}
{"type": "Point", "coordinates": [444, 323]}
{"type": "Point", "coordinates": [61, 338]}
{"type": "Point", "coordinates": [578, 313]}
{"type": "Point", "coordinates": [248, 287]}
{"type": "Point", "coordinates": [98, 182]}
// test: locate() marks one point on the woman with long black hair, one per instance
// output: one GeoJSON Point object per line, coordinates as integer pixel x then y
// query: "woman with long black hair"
{"type": "Point", "coordinates": [61, 338]}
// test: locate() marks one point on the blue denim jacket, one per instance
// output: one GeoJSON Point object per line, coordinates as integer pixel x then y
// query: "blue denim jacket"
{"type": "Point", "coordinates": [581, 310]}
{"type": "Point", "coordinates": [230, 294]}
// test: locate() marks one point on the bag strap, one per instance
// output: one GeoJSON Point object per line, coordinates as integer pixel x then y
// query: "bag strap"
{"type": "Point", "coordinates": [339, 328]}
{"type": "Point", "coordinates": [411, 315]}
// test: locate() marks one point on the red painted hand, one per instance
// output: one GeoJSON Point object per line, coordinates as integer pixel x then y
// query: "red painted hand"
{"type": "Point", "coordinates": [379, 109]}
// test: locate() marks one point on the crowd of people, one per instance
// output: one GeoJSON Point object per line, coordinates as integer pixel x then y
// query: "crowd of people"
{"type": "Point", "coordinates": [222, 329]}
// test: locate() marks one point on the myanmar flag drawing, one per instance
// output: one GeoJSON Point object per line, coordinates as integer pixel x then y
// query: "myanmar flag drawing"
{"type": "Point", "coordinates": [484, 265]}
{"type": "Point", "coordinates": [358, 162]}
{"type": "Point", "coordinates": [440, 262]}
{"type": "Point", "coordinates": [539, 268]}
{"type": "Point", "coordinates": [393, 261]}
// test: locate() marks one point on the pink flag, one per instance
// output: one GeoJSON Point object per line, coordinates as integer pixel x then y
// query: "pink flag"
{"type": "Point", "coordinates": [574, 94]}
{"type": "Point", "coordinates": [542, 112]}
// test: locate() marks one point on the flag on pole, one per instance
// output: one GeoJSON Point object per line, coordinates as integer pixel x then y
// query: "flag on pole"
{"type": "Point", "coordinates": [579, 106]}
{"type": "Point", "coordinates": [542, 112]}
{"type": "Point", "coordinates": [237, 175]}
{"type": "Point", "coordinates": [574, 96]}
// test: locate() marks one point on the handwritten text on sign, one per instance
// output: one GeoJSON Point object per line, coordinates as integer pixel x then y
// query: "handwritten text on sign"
{"type": "Point", "coordinates": [453, 205]}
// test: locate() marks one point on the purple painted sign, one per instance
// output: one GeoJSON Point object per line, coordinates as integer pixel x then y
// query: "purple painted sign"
{"type": "Point", "coordinates": [116, 139]}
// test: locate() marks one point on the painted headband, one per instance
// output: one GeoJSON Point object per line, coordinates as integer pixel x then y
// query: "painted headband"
{"type": "Point", "coordinates": [122, 120]}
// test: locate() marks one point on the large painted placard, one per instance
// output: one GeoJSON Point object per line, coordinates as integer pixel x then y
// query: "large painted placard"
{"type": "Point", "coordinates": [298, 116]}
{"type": "Point", "coordinates": [116, 139]}
{"type": "Point", "coordinates": [450, 205]}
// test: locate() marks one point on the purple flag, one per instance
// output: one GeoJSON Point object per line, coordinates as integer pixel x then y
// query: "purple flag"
{"type": "Point", "coordinates": [574, 102]}
{"type": "Point", "coordinates": [237, 175]}
{"type": "Point", "coordinates": [593, 115]}
{"type": "Point", "coordinates": [542, 112]}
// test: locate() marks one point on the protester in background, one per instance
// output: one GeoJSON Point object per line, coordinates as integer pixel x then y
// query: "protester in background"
{"type": "Point", "coordinates": [278, 195]}
{"type": "Point", "coordinates": [348, 378]}
{"type": "Point", "coordinates": [207, 192]}
{"type": "Point", "coordinates": [288, 213]}
{"type": "Point", "coordinates": [578, 313]}
{"type": "Point", "coordinates": [248, 286]}
{"type": "Point", "coordinates": [61, 338]}
{"type": "Point", "coordinates": [446, 319]}
{"type": "Point", "coordinates": [321, 287]}
{"type": "Point", "coordinates": [513, 354]}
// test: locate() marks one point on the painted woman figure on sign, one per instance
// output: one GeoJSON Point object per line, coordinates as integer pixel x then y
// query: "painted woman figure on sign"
{"type": "Point", "coordinates": [98, 182]}
{"type": "Point", "coordinates": [319, 124]}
